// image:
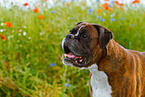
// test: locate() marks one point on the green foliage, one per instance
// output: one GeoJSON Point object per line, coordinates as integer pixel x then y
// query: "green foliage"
{"type": "Point", "coordinates": [31, 55]}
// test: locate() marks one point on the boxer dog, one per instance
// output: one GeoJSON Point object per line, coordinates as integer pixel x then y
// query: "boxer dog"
{"type": "Point", "coordinates": [115, 71]}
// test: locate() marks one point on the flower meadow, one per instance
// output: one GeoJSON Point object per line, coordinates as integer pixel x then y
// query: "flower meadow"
{"type": "Point", "coordinates": [30, 44]}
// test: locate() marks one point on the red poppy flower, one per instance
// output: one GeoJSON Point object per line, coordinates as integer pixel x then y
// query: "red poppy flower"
{"type": "Point", "coordinates": [6, 65]}
{"type": "Point", "coordinates": [26, 4]}
{"type": "Point", "coordinates": [36, 10]}
{"type": "Point", "coordinates": [40, 17]}
{"type": "Point", "coordinates": [121, 4]}
{"type": "Point", "coordinates": [116, 2]}
{"type": "Point", "coordinates": [8, 24]}
{"type": "Point", "coordinates": [105, 5]}
{"type": "Point", "coordinates": [3, 37]}
{"type": "Point", "coordinates": [135, 1]}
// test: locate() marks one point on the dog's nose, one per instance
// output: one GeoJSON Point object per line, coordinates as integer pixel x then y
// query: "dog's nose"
{"type": "Point", "coordinates": [69, 36]}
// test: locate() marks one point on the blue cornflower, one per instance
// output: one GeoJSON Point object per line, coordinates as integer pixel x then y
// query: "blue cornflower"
{"type": "Point", "coordinates": [98, 0]}
{"type": "Point", "coordinates": [132, 25]}
{"type": "Point", "coordinates": [66, 84]}
{"type": "Point", "coordinates": [72, 18]}
{"type": "Point", "coordinates": [53, 11]}
{"type": "Point", "coordinates": [72, 0]}
{"type": "Point", "coordinates": [110, 5]}
{"type": "Point", "coordinates": [99, 17]}
{"type": "Point", "coordinates": [90, 10]}
{"type": "Point", "coordinates": [112, 15]}
{"type": "Point", "coordinates": [89, 13]}
{"type": "Point", "coordinates": [121, 18]}
{"type": "Point", "coordinates": [63, 0]}
{"type": "Point", "coordinates": [112, 19]}
{"type": "Point", "coordinates": [112, 2]}
{"type": "Point", "coordinates": [53, 64]}
{"type": "Point", "coordinates": [102, 20]}
{"type": "Point", "coordinates": [50, 36]}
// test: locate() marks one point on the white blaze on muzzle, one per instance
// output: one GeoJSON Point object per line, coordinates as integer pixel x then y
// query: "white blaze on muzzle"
{"type": "Point", "coordinates": [79, 30]}
{"type": "Point", "coordinates": [69, 56]}
{"type": "Point", "coordinates": [63, 43]}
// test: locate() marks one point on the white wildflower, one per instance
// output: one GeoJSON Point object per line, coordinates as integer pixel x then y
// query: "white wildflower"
{"type": "Point", "coordinates": [41, 33]}
{"type": "Point", "coordinates": [19, 34]}
{"type": "Point", "coordinates": [20, 30]}
{"type": "Point", "coordinates": [2, 24]}
{"type": "Point", "coordinates": [112, 15]}
{"type": "Point", "coordinates": [10, 37]}
{"type": "Point", "coordinates": [13, 31]}
{"type": "Point", "coordinates": [24, 26]}
{"type": "Point", "coordinates": [24, 33]}
{"type": "Point", "coordinates": [29, 37]}
{"type": "Point", "coordinates": [1, 30]}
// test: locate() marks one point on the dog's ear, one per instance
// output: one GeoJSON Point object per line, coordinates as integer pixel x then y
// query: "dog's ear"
{"type": "Point", "coordinates": [79, 22]}
{"type": "Point", "coordinates": [104, 35]}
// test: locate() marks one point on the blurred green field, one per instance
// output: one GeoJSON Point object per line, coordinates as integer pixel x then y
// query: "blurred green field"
{"type": "Point", "coordinates": [31, 54]}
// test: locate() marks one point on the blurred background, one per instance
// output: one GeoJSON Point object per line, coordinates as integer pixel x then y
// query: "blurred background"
{"type": "Point", "coordinates": [31, 32]}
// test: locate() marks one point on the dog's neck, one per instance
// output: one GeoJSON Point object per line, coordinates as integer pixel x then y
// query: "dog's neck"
{"type": "Point", "coordinates": [111, 57]}
{"type": "Point", "coordinates": [98, 57]}
{"type": "Point", "coordinates": [99, 83]}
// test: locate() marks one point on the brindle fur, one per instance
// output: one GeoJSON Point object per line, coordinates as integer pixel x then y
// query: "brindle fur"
{"type": "Point", "coordinates": [125, 68]}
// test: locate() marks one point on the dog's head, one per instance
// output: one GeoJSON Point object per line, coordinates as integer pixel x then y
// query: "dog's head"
{"type": "Point", "coordinates": [84, 43]}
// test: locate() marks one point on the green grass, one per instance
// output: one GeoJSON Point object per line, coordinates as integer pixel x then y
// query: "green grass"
{"type": "Point", "coordinates": [25, 60]}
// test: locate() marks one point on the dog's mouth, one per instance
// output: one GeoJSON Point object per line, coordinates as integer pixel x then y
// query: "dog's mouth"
{"type": "Point", "coordinates": [78, 61]}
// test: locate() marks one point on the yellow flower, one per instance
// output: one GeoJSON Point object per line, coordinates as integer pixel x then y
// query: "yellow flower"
{"type": "Point", "coordinates": [67, 4]}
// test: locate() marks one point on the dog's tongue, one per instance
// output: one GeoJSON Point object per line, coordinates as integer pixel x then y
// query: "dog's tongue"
{"type": "Point", "coordinates": [70, 55]}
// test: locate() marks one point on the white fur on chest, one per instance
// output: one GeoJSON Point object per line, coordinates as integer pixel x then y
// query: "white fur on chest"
{"type": "Point", "coordinates": [99, 83]}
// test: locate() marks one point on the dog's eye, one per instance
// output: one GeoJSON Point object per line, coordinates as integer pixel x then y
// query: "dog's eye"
{"type": "Point", "coordinates": [85, 36]}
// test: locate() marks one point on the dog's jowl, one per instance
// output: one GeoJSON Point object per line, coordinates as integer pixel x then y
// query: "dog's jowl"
{"type": "Point", "coordinates": [115, 71]}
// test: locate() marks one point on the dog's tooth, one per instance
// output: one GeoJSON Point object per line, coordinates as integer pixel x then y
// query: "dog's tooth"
{"type": "Point", "coordinates": [80, 60]}
{"type": "Point", "coordinates": [65, 55]}
{"type": "Point", "coordinates": [69, 55]}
